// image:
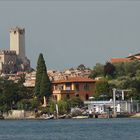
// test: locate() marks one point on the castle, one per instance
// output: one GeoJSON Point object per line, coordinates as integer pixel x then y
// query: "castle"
{"type": "Point", "coordinates": [14, 60]}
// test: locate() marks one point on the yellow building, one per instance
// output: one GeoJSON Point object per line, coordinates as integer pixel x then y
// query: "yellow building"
{"type": "Point", "coordinates": [74, 86]}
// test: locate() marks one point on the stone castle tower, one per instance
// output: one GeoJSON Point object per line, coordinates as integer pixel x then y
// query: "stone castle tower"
{"type": "Point", "coordinates": [14, 60]}
{"type": "Point", "coordinates": [17, 42]}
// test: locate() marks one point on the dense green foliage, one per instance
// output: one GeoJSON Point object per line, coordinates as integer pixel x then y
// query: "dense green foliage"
{"type": "Point", "coordinates": [41, 67]}
{"type": "Point", "coordinates": [121, 76]}
{"type": "Point", "coordinates": [109, 69]}
{"type": "Point", "coordinates": [97, 71]}
{"type": "Point", "coordinates": [12, 95]}
{"type": "Point", "coordinates": [42, 84]}
{"type": "Point", "coordinates": [81, 67]}
{"type": "Point", "coordinates": [75, 102]}
{"type": "Point", "coordinates": [64, 106]}
{"type": "Point", "coordinates": [102, 89]}
{"type": "Point", "coordinates": [45, 86]}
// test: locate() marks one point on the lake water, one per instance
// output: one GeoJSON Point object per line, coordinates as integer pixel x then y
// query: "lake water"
{"type": "Point", "coordinates": [68, 129]}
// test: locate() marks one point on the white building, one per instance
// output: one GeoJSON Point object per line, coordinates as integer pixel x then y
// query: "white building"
{"type": "Point", "coordinates": [121, 106]}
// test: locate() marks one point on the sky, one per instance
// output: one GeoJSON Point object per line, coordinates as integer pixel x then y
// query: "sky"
{"type": "Point", "coordinates": [70, 33]}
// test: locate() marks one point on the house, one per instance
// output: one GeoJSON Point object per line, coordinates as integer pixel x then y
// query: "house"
{"type": "Point", "coordinates": [126, 59]}
{"type": "Point", "coordinates": [82, 87]}
{"type": "Point", "coordinates": [116, 60]}
{"type": "Point", "coordinates": [134, 57]}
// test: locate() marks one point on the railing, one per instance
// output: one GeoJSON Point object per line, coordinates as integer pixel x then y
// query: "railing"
{"type": "Point", "coordinates": [64, 91]}
{"type": "Point", "coordinates": [67, 91]}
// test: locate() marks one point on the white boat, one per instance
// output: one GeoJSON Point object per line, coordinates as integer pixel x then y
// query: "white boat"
{"type": "Point", "coordinates": [80, 117]}
{"type": "Point", "coordinates": [47, 117]}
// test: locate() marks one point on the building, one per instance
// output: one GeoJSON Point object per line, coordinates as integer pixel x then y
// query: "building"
{"type": "Point", "coordinates": [64, 85]}
{"type": "Point", "coordinates": [30, 79]}
{"type": "Point", "coordinates": [130, 58]}
{"type": "Point", "coordinates": [134, 57]}
{"type": "Point", "coordinates": [116, 60]}
{"type": "Point", "coordinates": [117, 106]}
{"type": "Point", "coordinates": [73, 86]}
{"type": "Point", "coordinates": [55, 75]}
{"type": "Point", "coordinates": [67, 87]}
{"type": "Point", "coordinates": [17, 41]}
{"type": "Point", "coordinates": [14, 60]}
{"type": "Point", "coordinates": [8, 61]}
{"type": "Point", "coordinates": [121, 106]}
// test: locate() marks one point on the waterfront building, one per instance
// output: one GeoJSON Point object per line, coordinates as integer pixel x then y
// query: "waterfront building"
{"type": "Point", "coordinates": [65, 84]}
{"type": "Point", "coordinates": [68, 87]}
{"type": "Point", "coordinates": [121, 106]}
{"type": "Point", "coordinates": [81, 87]}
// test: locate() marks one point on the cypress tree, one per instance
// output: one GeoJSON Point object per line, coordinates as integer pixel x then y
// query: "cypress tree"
{"type": "Point", "coordinates": [42, 84]}
{"type": "Point", "coordinates": [45, 86]}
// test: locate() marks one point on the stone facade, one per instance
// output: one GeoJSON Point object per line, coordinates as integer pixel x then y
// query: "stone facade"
{"type": "Point", "coordinates": [14, 60]}
{"type": "Point", "coordinates": [8, 60]}
{"type": "Point", "coordinates": [17, 41]}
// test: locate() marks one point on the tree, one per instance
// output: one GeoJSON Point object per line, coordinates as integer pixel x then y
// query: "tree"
{"type": "Point", "coordinates": [120, 69]}
{"type": "Point", "coordinates": [11, 94]}
{"type": "Point", "coordinates": [81, 67]}
{"type": "Point", "coordinates": [102, 89]}
{"type": "Point", "coordinates": [133, 84]}
{"type": "Point", "coordinates": [41, 67]}
{"type": "Point", "coordinates": [62, 106]}
{"type": "Point", "coordinates": [109, 69]}
{"type": "Point", "coordinates": [75, 102]}
{"type": "Point", "coordinates": [127, 68]}
{"type": "Point", "coordinates": [43, 84]}
{"type": "Point", "coordinates": [98, 71]}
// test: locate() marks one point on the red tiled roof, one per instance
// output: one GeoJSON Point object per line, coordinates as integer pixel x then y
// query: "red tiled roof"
{"type": "Point", "coordinates": [74, 80]}
{"type": "Point", "coordinates": [115, 60]}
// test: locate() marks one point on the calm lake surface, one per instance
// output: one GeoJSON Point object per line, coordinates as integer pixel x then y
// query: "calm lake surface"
{"type": "Point", "coordinates": [68, 129]}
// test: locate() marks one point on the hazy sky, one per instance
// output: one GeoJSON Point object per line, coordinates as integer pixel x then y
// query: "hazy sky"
{"type": "Point", "coordinates": [69, 33]}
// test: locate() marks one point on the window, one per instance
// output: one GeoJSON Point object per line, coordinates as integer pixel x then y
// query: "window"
{"type": "Point", "coordinates": [86, 87]}
{"type": "Point", "coordinates": [77, 87]}
{"type": "Point", "coordinates": [68, 86]}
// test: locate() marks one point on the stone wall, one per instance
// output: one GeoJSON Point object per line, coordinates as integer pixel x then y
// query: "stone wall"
{"type": "Point", "coordinates": [19, 114]}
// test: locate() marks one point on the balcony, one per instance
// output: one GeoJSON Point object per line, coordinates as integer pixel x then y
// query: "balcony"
{"type": "Point", "coordinates": [63, 91]}
{"type": "Point", "coordinates": [67, 91]}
